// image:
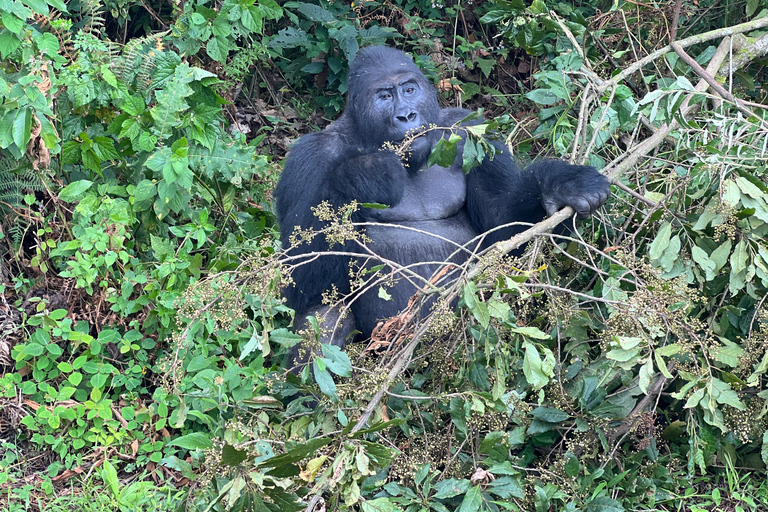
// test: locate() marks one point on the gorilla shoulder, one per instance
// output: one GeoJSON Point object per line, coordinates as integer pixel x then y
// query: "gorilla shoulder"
{"type": "Point", "coordinates": [452, 115]}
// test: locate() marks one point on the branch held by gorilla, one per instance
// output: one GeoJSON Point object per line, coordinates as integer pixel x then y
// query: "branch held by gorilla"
{"type": "Point", "coordinates": [432, 209]}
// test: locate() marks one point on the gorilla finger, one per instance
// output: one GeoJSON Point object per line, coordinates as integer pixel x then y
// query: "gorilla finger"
{"type": "Point", "coordinates": [605, 193]}
{"type": "Point", "coordinates": [552, 207]}
{"type": "Point", "coordinates": [584, 207]}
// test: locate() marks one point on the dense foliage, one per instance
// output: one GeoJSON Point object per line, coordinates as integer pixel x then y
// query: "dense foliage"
{"type": "Point", "coordinates": [143, 338]}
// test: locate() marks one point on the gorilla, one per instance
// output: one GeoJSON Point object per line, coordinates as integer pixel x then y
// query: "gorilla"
{"type": "Point", "coordinates": [431, 211]}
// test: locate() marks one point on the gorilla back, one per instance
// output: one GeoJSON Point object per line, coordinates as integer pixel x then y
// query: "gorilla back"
{"type": "Point", "coordinates": [432, 212]}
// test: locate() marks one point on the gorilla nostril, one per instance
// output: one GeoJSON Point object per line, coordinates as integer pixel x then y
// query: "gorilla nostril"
{"type": "Point", "coordinates": [407, 119]}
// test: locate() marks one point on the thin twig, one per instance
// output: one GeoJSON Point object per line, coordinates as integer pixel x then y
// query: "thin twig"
{"type": "Point", "coordinates": [675, 20]}
{"type": "Point", "coordinates": [719, 89]}
{"type": "Point", "coordinates": [685, 43]}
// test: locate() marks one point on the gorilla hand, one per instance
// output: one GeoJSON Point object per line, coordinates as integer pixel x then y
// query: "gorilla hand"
{"type": "Point", "coordinates": [578, 186]}
{"type": "Point", "coordinates": [418, 152]}
{"type": "Point", "coordinates": [369, 178]}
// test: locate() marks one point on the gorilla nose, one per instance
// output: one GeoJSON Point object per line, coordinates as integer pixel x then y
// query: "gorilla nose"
{"type": "Point", "coordinates": [408, 120]}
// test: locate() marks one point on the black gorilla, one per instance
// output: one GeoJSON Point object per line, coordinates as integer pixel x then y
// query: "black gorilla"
{"type": "Point", "coordinates": [388, 96]}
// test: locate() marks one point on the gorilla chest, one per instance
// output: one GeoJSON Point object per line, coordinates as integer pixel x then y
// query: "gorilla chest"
{"type": "Point", "coordinates": [429, 223]}
{"type": "Point", "coordinates": [432, 194]}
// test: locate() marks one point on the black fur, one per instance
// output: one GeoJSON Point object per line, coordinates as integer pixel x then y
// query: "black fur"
{"type": "Point", "coordinates": [388, 96]}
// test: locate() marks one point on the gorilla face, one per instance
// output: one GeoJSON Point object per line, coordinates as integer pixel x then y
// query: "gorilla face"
{"type": "Point", "coordinates": [388, 97]}
{"type": "Point", "coordinates": [399, 104]}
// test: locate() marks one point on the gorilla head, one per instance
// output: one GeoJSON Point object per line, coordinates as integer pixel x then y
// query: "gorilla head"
{"type": "Point", "coordinates": [389, 96]}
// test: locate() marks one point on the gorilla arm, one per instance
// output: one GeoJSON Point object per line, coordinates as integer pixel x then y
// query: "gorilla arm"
{"type": "Point", "coordinates": [323, 167]}
{"type": "Point", "coordinates": [498, 192]}
{"type": "Point", "coordinates": [377, 177]}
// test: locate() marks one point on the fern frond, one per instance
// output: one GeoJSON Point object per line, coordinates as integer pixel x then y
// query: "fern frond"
{"type": "Point", "coordinates": [93, 16]}
{"type": "Point", "coordinates": [138, 59]}
{"type": "Point", "coordinates": [16, 181]}
{"type": "Point", "coordinates": [17, 230]}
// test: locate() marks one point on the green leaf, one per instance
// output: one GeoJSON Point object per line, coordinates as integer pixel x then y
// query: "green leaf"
{"type": "Point", "coordinates": [451, 487]}
{"type": "Point", "coordinates": [533, 367]}
{"type": "Point", "coordinates": [661, 364]}
{"type": "Point", "coordinates": [485, 65]}
{"type": "Point", "coordinates": [147, 141]}
{"type": "Point", "coordinates": [472, 155]}
{"type": "Point", "coordinates": [312, 12]}
{"type": "Point", "coordinates": [297, 453]}
{"type": "Point", "coordinates": [531, 332]}
{"type": "Point", "coordinates": [22, 126]}
{"type": "Point", "coordinates": [661, 242]}
{"type": "Point", "coordinates": [730, 354]}
{"type": "Point", "coordinates": [731, 193]}
{"type": "Point", "coordinates": [542, 97]}
{"type": "Point", "coordinates": [646, 376]}
{"type": "Point", "coordinates": [500, 310]}
{"type": "Point", "coordinates": [707, 265]}
{"type": "Point", "coordinates": [540, 427]}
{"type": "Point", "coordinates": [58, 314]}
{"type": "Point", "coordinates": [75, 190]}
{"type": "Point", "coordinates": [481, 314]}
{"type": "Point", "coordinates": [604, 504]}
{"type": "Point", "coordinates": [284, 337]}
{"type": "Point", "coordinates": [48, 44]}
{"type": "Point", "coordinates": [723, 394]}
{"type": "Point", "coordinates": [252, 19]}
{"type": "Point", "coordinates": [506, 487]}
{"type": "Point", "coordinates": [47, 132]}
{"type": "Point", "coordinates": [378, 505]}
{"type": "Point", "coordinates": [444, 153]}
{"type": "Point", "coordinates": [472, 500]}
{"type": "Point", "coordinates": [336, 360]}
{"type": "Point", "coordinates": [720, 255]}
{"type": "Point", "coordinates": [231, 456]}
{"type": "Point", "coordinates": [695, 398]}
{"type": "Point", "coordinates": [193, 441]}
{"type": "Point", "coordinates": [550, 414]}
{"type": "Point", "coordinates": [130, 129]}
{"type": "Point", "coordinates": [144, 195]}
{"type": "Point", "coordinates": [752, 6]}
{"type": "Point", "coordinates": [383, 294]}
{"type": "Point", "coordinates": [270, 9]}
{"type": "Point", "coordinates": [109, 475]}
{"type": "Point", "coordinates": [289, 38]}
{"type": "Point", "coordinates": [380, 426]}
{"type": "Point", "coordinates": [221, 27]}
{"type": "Point", "coordinates": [57, 4]}
{"type": "Point", "coordinates": [133, 105]}
{"type": "Point", "coordinates": [8, 43]}
{"type": "Point", "coordinates": [324, 380]}
{"type": "Point", "coordinates": [104, 147]}
{"type": "Point", "coordinates": [217, 49]}
{"type": "Point", "coordinates": [738, 261]}
{"type": "Point", "coordinates": [12, 23]}
{"type": "Point", "coordinates": [6, 129]}
{"type": "Point", "coordinates": [38, 6]}
{"type": "Point", "coordinates": [347, 38]}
